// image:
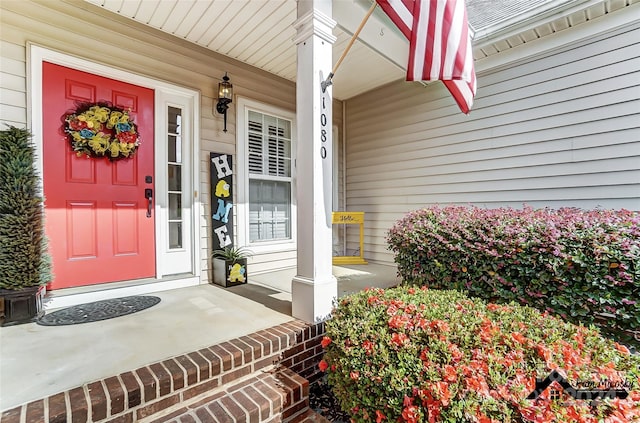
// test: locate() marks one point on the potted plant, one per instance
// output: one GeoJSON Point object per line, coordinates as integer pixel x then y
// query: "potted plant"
{"type": "Point", "coordinates": [24, 262]}
{"type": "Point", "coordinates": [230, 266]}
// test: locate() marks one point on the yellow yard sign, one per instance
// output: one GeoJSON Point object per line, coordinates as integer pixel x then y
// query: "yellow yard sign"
{"type": "Point", "coordinates": [350, 218]}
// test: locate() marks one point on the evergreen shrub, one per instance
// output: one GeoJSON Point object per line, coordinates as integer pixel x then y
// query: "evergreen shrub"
{"type": "Point", "coordinates": [24, 261]}
{"type": "Point", "coordinates": [413, 355]}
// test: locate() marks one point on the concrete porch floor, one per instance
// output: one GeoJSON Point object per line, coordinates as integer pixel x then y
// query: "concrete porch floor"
{"type": "Point", "coordinates": [37, 361]}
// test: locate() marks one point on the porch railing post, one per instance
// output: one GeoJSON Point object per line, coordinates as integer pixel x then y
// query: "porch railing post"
{"type": "Point", "coordinates": [314, 287]}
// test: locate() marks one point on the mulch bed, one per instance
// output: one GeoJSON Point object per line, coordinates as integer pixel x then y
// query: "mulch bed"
{"type": "Point", "coordinates": [323, 402]}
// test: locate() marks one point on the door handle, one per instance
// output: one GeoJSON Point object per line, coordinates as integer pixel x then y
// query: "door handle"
{"type": "Point", "coordinates": [148, 194]}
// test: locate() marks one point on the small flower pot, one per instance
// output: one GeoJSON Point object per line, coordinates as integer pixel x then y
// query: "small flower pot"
{"type": "Point", "coordinates": [21, 306]}
{"type": "Point", "coordinates": [229, 272]}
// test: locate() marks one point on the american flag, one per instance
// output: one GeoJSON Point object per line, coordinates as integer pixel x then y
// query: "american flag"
{"type": "Point", "coordinates": [439, 44]}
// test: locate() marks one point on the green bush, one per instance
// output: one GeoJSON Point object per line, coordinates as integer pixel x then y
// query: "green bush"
{"type": "Point", "coordinates": [23, 258]}
{"type": "Point", "coordinates": [416, 355]}
{"type": "Point", "coordinates": [577, 264]}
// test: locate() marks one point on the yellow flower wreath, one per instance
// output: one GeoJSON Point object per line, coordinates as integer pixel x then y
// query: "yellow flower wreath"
{"type": "Point", "coordinates": [102, 130]}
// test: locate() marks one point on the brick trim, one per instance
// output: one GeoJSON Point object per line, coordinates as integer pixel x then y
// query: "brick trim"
{"type": "Point", "coordinates": [237, 365]}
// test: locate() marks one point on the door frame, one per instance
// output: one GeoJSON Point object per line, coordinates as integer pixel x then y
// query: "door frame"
{"type": "Point", "coordinates": [164, 95]}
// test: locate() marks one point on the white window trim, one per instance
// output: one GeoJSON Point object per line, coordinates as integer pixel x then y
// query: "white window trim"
{"type": "Point", "coordinates": [177, 260]}
{"type": "Point", "coordinates": [242, 165]}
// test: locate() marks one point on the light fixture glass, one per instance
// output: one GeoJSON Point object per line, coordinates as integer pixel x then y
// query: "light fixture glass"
{"type": "Point", "coordinates": [225, 97]}
{"type": "Point", "coordinates": [225, 89]}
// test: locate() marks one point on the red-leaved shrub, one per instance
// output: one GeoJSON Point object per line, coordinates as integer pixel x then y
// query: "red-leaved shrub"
{"type": "Point", "coordinates": [578, 264]}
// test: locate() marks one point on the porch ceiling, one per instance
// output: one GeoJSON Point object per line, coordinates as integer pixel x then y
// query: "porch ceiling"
{"type": "Point", "coordinates": [260, 32]}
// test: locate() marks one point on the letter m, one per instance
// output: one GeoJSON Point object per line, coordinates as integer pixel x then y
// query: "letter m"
{"type": "Point", "coordinates": [222, 214]}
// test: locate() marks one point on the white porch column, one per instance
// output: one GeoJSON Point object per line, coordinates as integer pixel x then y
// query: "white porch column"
{"type": "Point", "coordinates": [314, 287]}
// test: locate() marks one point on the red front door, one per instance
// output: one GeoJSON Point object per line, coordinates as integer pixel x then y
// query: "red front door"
{"type": "Point", "coordinates": [96, 210]}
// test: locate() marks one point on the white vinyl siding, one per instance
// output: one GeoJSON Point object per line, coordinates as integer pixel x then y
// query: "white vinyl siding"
{"type": "Point", "coordinates": [13, 84]}
{"type": "Point", "coordinates": [557, 130]}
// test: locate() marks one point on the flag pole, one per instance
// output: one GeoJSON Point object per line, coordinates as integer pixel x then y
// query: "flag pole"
{"type": "Point", "coordinates": [326, 83]}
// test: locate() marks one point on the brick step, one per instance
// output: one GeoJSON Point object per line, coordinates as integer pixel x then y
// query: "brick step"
{"type": "Point", "coordinates": [279, 395]}
{"type": "Point", "coordinates": [150, 391]}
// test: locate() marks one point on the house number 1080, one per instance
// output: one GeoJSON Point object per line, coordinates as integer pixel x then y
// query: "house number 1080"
{"type": "Point", "coordinates": [323, 130]}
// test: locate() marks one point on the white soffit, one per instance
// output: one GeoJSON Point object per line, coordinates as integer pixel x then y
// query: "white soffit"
{"type": "Point", "coordinates": [256, 32]}
{"type": "Point", "coordinates": [260, 32]}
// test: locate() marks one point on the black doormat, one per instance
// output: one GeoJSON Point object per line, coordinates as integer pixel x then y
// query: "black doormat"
{"type": "Point", "coordinates": [99, 310]}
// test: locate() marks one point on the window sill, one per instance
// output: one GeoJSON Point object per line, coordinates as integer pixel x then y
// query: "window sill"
{"type": "Point", "coordinates": [271, 247]}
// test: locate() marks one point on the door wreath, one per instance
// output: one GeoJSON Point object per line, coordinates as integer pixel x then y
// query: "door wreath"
{"type": "Point", "coordinates": [102, 130]}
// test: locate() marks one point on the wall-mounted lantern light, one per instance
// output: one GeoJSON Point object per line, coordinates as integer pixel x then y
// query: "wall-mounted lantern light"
{"type": "Point", "coordinates": [225, 96]}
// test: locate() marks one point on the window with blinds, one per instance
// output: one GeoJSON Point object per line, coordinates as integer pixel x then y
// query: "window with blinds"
{"type": "Point", "coordinates": [269, 157]}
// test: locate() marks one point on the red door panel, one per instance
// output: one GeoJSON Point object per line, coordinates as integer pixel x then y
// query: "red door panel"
{"type": "Point", "coordinates": [96, 212]}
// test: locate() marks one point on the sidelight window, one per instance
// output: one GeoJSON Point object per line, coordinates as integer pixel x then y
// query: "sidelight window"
{"type": "Point", "coordinates": [174, 175]}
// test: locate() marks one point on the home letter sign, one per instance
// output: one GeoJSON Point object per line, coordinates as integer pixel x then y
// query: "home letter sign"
{"type": "Point", "coordinates": [221, 200]}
